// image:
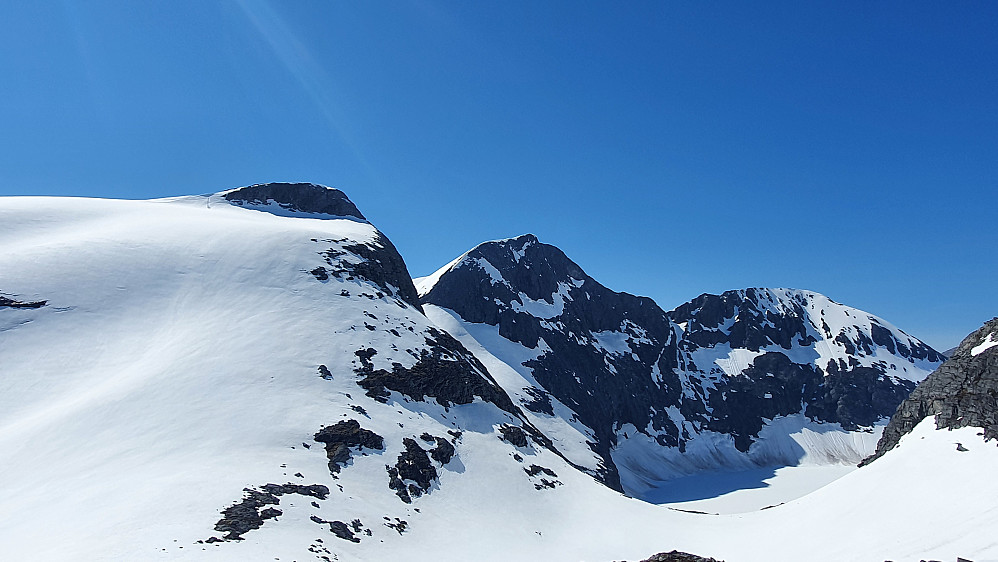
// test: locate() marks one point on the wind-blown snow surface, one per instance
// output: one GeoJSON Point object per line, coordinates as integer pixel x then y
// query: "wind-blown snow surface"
{"type": "Point", "coordinates": [175, 364]}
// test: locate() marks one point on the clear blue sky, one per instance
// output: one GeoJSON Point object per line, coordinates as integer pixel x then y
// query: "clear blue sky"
{"type": "Point", "coordinates": [670, 148]}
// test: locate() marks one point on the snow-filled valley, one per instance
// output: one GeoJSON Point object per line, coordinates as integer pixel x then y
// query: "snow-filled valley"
{"type": "Point", "coordinates": [215, 378]}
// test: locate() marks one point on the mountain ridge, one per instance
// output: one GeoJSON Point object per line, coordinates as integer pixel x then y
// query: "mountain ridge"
{"type": "Point", "coordinates": [206, 381]}
{"type": "Point", "coordinates": [619, 361]}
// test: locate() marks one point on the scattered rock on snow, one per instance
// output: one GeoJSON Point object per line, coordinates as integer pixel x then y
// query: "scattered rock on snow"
{"type": "Point", "coordinates": [247, 515]}
{"type": "Point", "coordinates": [340, 437]}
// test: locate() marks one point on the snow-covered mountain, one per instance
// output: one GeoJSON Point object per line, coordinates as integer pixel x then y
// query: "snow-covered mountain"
{"type": "Point", "coordinates": [248, 376]}
{"type": "Point", "coordinates": [189, 369]}
{"type": "Point", "coordinates": [657, 394]}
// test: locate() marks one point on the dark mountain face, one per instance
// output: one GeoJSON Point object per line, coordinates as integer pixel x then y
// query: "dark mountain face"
{"type": "Point", "coordinates": [533, 292]}
{"type": "Point", "coordinates": [962, 392]}
{"type": "Point", "coordinates": [801, 363]}
{"type": "Point", "coordinates": [721, 363]}
{"type": "Point", "coordinates": [297, 197]}
{"type": "Point", "coordinates": [763, 318]}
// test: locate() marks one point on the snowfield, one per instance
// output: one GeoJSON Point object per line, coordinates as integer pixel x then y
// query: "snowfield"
{"type": "Point", "coordinates": [176, 364]}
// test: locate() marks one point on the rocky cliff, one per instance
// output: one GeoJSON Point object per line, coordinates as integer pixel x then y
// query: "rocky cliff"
{"type": "Point", "coordinates": [962, 392]}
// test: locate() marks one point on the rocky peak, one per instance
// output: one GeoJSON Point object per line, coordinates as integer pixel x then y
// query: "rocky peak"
{"type": "Point", "coordinates": [757, 318]}
{"type": "Point", "coordinates": [525, 265]}
{"type": "Point", "coordinates": [296, 197]}
{"type": "Point", "coordinates": [962, 392]}
{"type": "Point", "coordinates": [522, 277]}
{"type": "Point", "coordinates": [725, 363]}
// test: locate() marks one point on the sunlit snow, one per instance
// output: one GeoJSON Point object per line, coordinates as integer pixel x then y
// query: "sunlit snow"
{"type": "Point", "coordinates": [988, 343]}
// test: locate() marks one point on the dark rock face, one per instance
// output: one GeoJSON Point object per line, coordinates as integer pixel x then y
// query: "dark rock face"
{"type": "Point", "coordinates": [615, 359]}
{"type": "Point", "coordinates": [11, 303]}
{"type": "Point", "coordinates": [443, 452]}
{"type": "Point", "coordinates": [513, 435]}
{"type": "Point", "coordinates": [298, 197]}
{"type": "Point", "coordinates": [677, 556]}
{"type": "Point", "coordinates": [413, 465]}
{"type": "Point", "coordinates": [445, 371]}
{"type": "Point", "coordinates": [962, 392]}
{"type": "Point", "coordinates": [252, 511]}
{"type": "Point", "coordinates": [843, 390]}
{"type": "Point", "coordinates": [340, 437]}
{"type": "Point", "coordinates": [376, 261]}
{"type": "Point", "coordinates": [775, 386]}
{"type": "Point", "coordinates": [604, 390]}
{"type": "Point", "coordinates": [338, 528]}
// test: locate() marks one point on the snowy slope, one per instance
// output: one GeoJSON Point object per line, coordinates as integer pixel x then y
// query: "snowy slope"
{"type": "Point", "coordinates": [177, 361]}
{"type": "Point", "coordinates": [163, 362]}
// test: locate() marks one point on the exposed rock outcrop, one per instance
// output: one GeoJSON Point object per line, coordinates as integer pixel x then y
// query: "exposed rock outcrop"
{"type": "Point", "coordinates": [340, 437]}
{"type": "Point", "coordinates": [962, 392]}
{"type": "Point", "coordinates": [297, 197]}
{"type": "Point", "coordinates": [413, 473]}
{"type": "Point", "coordinates": [11, 303]}
{"type": "Point", "coordinates": [252, 511]}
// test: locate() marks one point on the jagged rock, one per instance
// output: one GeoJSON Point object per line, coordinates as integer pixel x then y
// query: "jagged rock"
{"type": "Point", "coordinates": [443, 452]}
{"type": "Point", "coordinates": [413, 465]}
{"type": "Point", "coordinates": [379, 262]}
{"type": "Point", "coordinates": [298, 197]}
{"type": "Point", "coordinates": [340, 437]}
{"type": "Point", "coordinates": [400, 525]}
{"type": "Point", "coordinates": [962, 392]}
{"type": "Point", "coordinates": [513, 435]}
{"type": "Point", "coordinates": [540, 401]}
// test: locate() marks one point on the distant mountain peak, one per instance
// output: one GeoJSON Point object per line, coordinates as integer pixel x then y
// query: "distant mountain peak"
{"type": "Point", "coordinates": [296, 198]}
{"type": "Point", "coordinates": [522, 261]}
{"type": "Point", "coordinates": [644, 381]}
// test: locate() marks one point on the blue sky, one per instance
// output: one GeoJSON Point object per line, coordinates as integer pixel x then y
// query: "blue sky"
{"type": "Point", "coordinates": [669, 148]}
